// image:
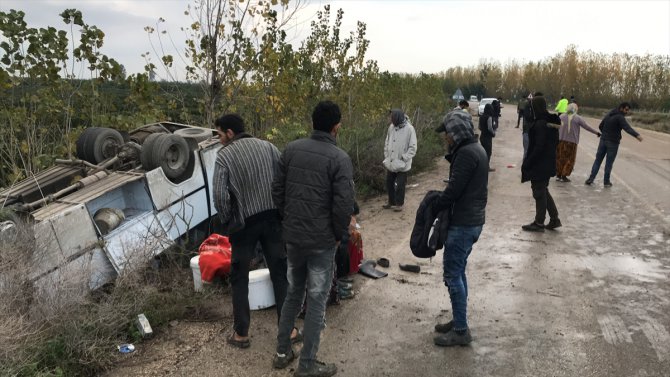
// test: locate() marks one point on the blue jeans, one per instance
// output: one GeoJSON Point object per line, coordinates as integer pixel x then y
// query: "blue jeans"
{"type": "Point", "coordinates": [312, 269]}
{"type": "Point", "coordinates": [605, 148]}
{"type": "Point", "coordinates": [457, 248]}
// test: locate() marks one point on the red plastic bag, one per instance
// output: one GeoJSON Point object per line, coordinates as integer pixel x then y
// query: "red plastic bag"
{"type": "Point", "coordinates": [215, 254]}
{"type": "Point", "coordinates": [355, 251]}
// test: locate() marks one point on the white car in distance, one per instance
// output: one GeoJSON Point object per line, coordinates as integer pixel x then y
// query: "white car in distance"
{"type": "Point", "coordinates": [483, 103]}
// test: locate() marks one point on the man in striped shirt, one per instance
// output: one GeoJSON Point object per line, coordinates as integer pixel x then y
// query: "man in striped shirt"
{"type": "Point", "coordinates": [243, 174]}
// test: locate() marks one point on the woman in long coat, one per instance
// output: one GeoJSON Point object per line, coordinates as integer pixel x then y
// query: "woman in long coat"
{"type": "Point", "coordinates": [539, 165]}
{"type": "Point", "coordinates": [568, 138]}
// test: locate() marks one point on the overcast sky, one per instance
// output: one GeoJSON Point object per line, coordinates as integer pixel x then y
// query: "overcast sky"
{"type": "Point", "coordinates": [406, 36]}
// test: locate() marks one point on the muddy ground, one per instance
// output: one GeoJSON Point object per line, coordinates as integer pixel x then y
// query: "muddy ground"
{"type": "Point", "coordinates": [591, 299]}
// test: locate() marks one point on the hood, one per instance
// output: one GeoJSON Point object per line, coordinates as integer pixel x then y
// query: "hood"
{"type": "Point", "coordinates": [458, 124]}
{"type": "Point", "coordinates": [398, 117]}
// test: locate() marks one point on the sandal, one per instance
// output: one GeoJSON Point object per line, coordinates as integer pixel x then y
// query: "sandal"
{"type": "Point", "coordinates": [298, 337]}
{"type": "Point", "coordinates": [238, 343]}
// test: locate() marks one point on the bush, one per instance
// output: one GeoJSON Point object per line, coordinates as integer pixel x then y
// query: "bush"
{"type": "Point", "coordinates": [78, 335]}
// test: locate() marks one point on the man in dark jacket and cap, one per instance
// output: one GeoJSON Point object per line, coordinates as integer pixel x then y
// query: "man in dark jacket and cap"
{"type": "Point", "coordinates": [465, 197]}
{"type": "Point", "coordinates": [314, 193]}
{"type": "Point", "coordinates": [539, 165]}
{"type": "Point", "coordinates": [611, 127]}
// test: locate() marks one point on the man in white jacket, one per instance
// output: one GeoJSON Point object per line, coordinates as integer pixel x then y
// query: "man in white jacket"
{"type": "Point", "coordinates": [399, 149]}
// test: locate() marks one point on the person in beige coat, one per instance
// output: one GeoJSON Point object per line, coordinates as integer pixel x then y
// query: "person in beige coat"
{"type": "Point", "coordinates": [399, 150]}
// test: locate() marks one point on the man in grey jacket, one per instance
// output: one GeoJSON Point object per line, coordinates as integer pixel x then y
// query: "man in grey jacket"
{"type": "Point", "coordinates": [399, 150]}
{"type": "Point", "coordinates": [243, 175]}
{"type": "Point", "coordinates": [314, 192]}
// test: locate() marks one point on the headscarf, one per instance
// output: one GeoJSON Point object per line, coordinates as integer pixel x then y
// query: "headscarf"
{"type": "Point", "coordinates": [572, 111]}
{"type": "Point", "coordinates": [398, 117]}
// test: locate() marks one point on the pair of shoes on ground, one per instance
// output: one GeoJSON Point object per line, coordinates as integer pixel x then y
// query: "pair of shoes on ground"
{"type": "Point", "coordinates": [590, 182]}
{"type": "Point", "coordinates": [318, 368]}
{"type": "Point", "coordinates": [396, 208]}
{"type": "Point", "coordinates": [535, 227]}
{"type": "Point", "coordinates": [246, 343]}
{"type": "Point", "coordinates": [449, 337]}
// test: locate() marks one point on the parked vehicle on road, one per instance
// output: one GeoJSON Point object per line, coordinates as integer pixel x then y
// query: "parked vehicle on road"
{"type": "Point", "coordinates": [482, 103]}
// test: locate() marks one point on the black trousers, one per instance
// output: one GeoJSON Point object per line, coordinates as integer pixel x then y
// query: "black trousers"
{"type": "Point", "coordinates": [543, 201]}
{"type": "Point", "coordinates": [395, 185]}
{"type": "Point", "coordinates": [342, 257]}
{"type": "Point", "coordinates": [487, 142]}
{"type": "Point", "coordinates": [268, 233]}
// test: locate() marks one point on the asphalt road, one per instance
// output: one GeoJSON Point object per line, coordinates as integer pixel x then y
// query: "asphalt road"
{"type": "Point", "coordinates": [590, 299]}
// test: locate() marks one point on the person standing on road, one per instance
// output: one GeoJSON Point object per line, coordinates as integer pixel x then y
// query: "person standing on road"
{"type": "Point", "coordinates": [243, 174]}
{"type": "Point", "coordinates": [519, 111]}
{"type": "Point", "coordinates": [540, 164]}
{"type": "Point", "coordinates": [487, 131]}
{"type": "Point", "coordinates": [496, 112]}
{"type": "Point", "coordinates": [568, 138]}
{"type": "Point", "coordinates": [611, 127]}
{"type": "Point", "coordinates": [465, 196]}
{"type": "Point", "coordinates": [399, 150]}
{"type": "Point", "coordinates": [314, 192]}
{"type": "Point", "coordinates": [527, 121]}
{"type": "Point", "coordinates": [561, 106]}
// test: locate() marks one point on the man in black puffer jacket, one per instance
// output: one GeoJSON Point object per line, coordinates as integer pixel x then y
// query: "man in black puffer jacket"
{"type": "Point", "coordinates": [466, 196]}
{"type": "Point", "coordinates": [314, 192]}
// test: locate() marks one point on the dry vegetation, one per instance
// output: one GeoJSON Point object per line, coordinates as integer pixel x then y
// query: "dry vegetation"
{"type": "Point", "coordinates": [60, 328]}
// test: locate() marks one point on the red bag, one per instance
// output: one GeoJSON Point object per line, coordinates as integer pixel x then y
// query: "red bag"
{"type": "Point", "coordinates": [355, 251]}
{"type": "Point", "coordinates": [215, 254]}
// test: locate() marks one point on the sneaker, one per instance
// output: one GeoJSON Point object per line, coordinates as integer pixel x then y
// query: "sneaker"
{"type": "Point", "coordinates": [344, 285]}
{"type": "Point", "coordinates": [559, 178]}
{"type": "Point", "coordinates": [388, 206]}
{"type": "Point", "coordinates": [397, 208]}
{"type": "Point", "coordinates": [281, 361]}
{"type": "Point", "coordinates": [533, 227]}
{"type": "Point", "coordinates": [553, 224]}
{"type": "Point", "coordinates": [346, 294]}
{"type": "Point", "coordinates": [444, 327]}
{"type": "Point", "coordinates": [318, 369]}
{"type": "Point", "coordinates": [453, 338]}
{"type": "Point", "coordinates": [608, 184]}
{"type": "Point", "coordinates": [589, 182]}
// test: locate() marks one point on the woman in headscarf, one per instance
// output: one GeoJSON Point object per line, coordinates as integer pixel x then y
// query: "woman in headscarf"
{"type": "Point", "coordinates": [399, 150]}
{"type": "Point", "coordinates": [568, 136]}
{"type": "Point", "coordinates": [487, 131]}
{"type": "Point", "coordinates": [539, 165]}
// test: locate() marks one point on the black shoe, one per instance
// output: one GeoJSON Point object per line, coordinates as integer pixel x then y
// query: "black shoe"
{"type": "Point", "coordinates": [553, 224]}
{"type": "Point", "coordinates": [533, 227]}
{"type": "Point", "coordinates": [344, 285]}
{"type": "Point", "coordinates": [346, 279]}
{"type": "Point", "coordinates": [559, 179]}
{"type": "Point", "coordinates": [281, 361]}
{"type": "Point", "coordinates": [453, 338]}
{"type": "Point", "coordinates": [444, 327]}
{"type": "Point", "coordinates": [346, 294]}
{"type": "Point", "coordinates": [318, 369]}
{"type": "Point", "coordinates": [566, 179]}
{"type": "Point", "coordinates": [608, 184]}
{"type": "Point", "coordinates": [589, 182]}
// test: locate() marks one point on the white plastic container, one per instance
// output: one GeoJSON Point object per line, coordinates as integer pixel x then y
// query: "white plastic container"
{"type": "Point", "coordinates": [195, 268]}
{"type": "Point", "coordinates": [261, 294]}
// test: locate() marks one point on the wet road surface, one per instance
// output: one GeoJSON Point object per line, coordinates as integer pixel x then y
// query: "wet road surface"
{"type": "Point", "coordinates": [590, 299]}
